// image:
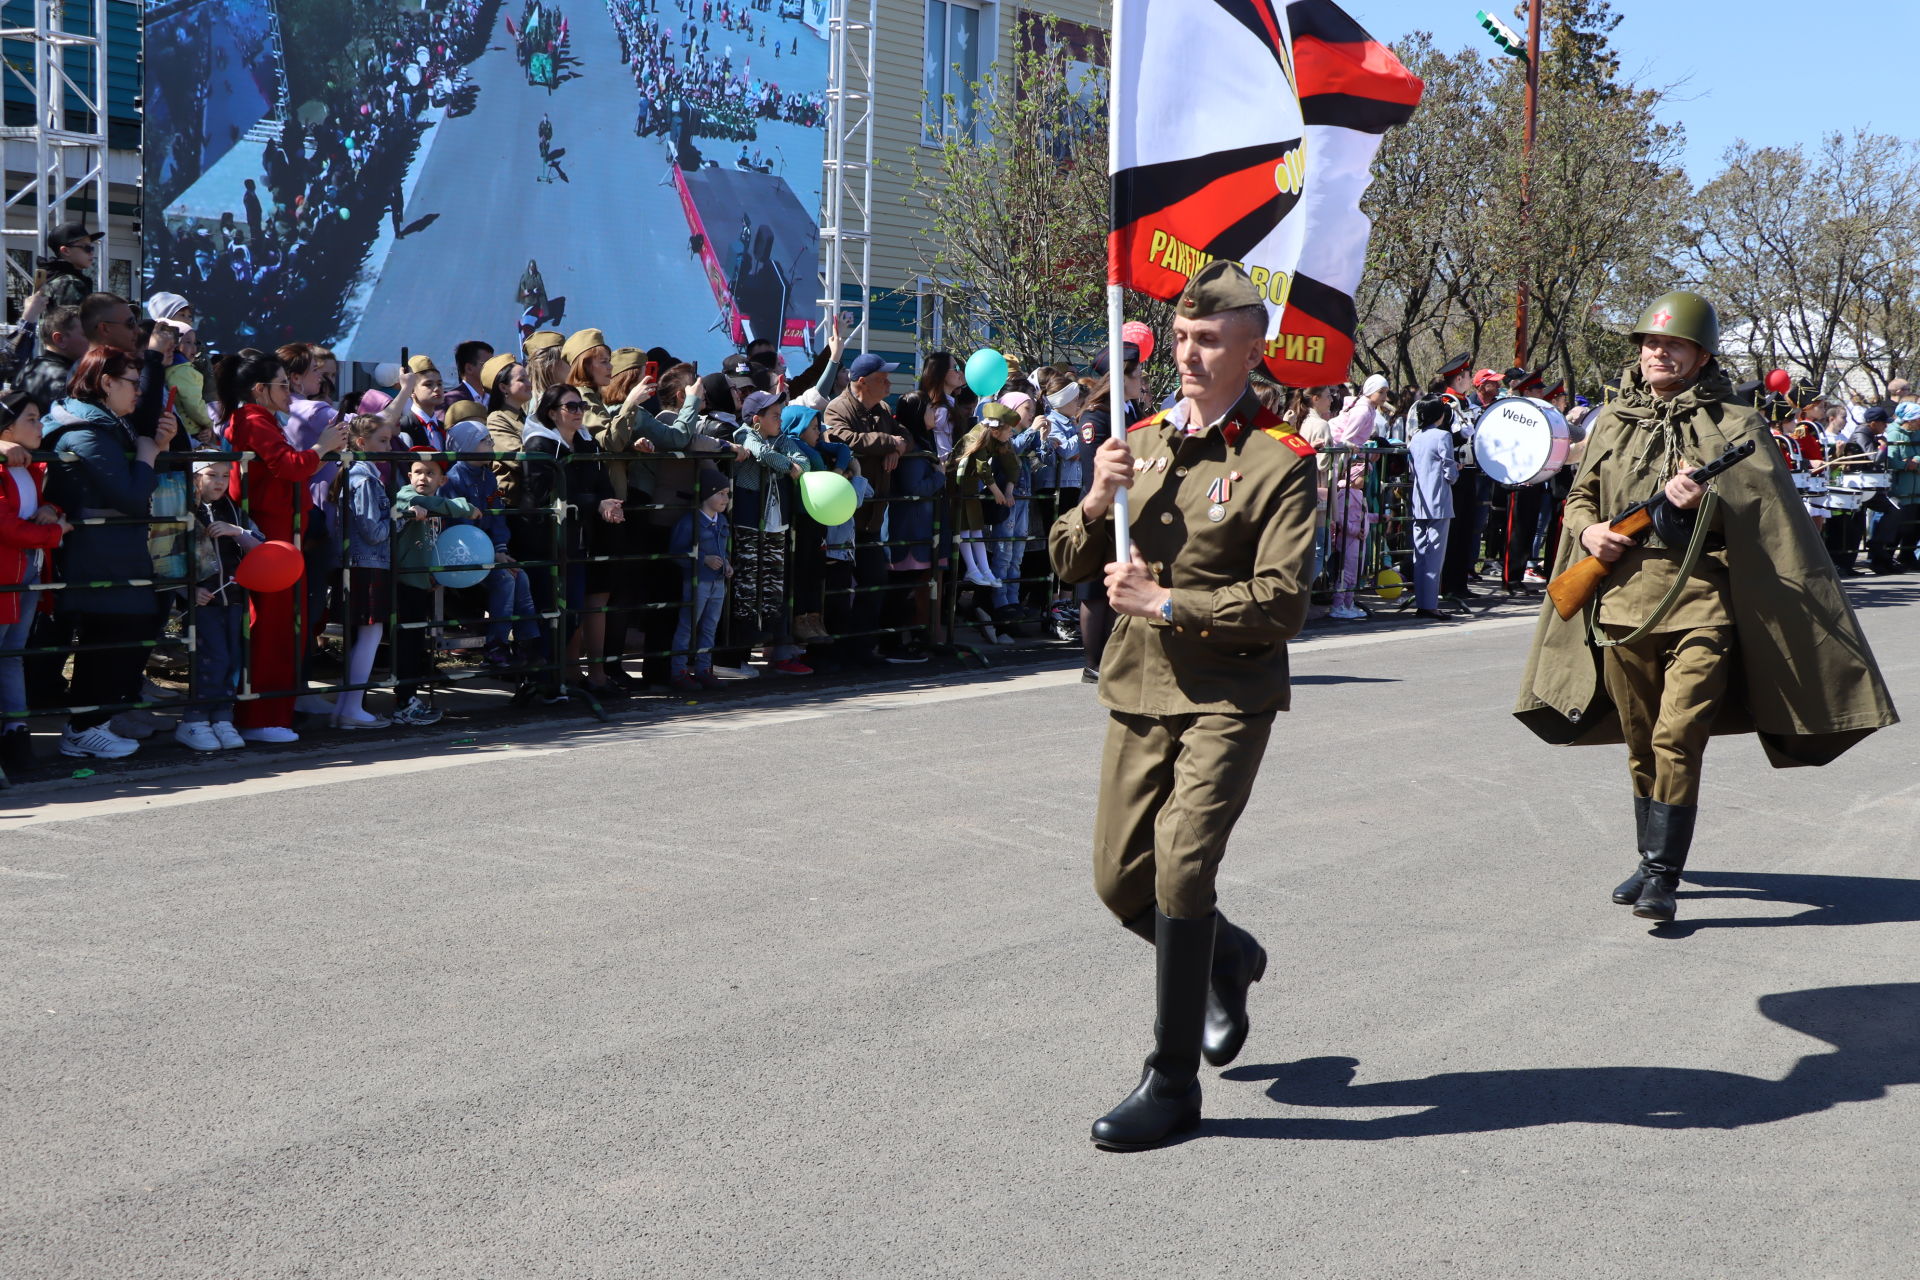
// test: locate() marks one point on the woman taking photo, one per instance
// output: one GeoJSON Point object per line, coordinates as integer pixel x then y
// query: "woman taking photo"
{"type": "Point", "coordinates": [105, 472]}
{"type": "Point", "coordinates": [257, 393]}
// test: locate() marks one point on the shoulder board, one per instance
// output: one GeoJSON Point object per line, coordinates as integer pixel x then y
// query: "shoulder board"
{"type": "Point", "coordinates": [1152, 420]}
{"type": "Point", "coordinates": [1290, 438]}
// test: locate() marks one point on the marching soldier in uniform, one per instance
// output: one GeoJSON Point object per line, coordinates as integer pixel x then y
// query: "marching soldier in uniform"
{"type": "Point", "coordinates": [1215, 584]}
{"type": "Point", "coordinates": [1457, 564]}
{"type": "Point", "coordinates": [1738, 626]}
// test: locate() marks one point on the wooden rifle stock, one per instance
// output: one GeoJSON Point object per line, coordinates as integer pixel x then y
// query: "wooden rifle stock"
{"type": "Point", "coordinates": [1571, 591]}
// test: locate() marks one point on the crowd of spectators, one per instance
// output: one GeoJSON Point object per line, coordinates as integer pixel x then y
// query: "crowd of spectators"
{"type": "Point", "coordinates": [685, 83]}
{"type": "Point", "coordinates": [641, 523]}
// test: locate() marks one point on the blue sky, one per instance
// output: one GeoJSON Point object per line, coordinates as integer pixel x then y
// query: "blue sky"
{"type": "Point", "coordinates": [1770, 71]}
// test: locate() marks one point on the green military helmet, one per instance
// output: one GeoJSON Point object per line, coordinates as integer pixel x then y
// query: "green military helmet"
{"type": "Point", "coordinates": [1682, 314]}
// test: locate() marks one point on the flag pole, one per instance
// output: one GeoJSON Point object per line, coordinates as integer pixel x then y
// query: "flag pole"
{"type": "Point", "coordinates": [1116, 293]}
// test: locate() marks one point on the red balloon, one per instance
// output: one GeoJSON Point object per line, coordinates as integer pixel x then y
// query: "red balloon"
{"type": "Point", "coordinates": [1779, 382]}
{"type": "Point", "coordinates": [1140, 334]}
{"type": "Point", "coordinates": [270, 567]}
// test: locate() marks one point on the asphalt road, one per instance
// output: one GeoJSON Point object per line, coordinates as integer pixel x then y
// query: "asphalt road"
{"type": "Point", "coordinates": [819, 988]}
{"type": "Point", "coordinates": [611, 239]}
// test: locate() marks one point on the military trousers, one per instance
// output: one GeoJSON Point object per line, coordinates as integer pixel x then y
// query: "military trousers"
{"type": "Point", "coordinates": [1668, 687]}
{"type": "Point", "coordinates": [1171, 788]}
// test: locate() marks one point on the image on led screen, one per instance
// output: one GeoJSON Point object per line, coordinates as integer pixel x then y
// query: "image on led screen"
{"type": "Point", "coordinates": [375, 174]}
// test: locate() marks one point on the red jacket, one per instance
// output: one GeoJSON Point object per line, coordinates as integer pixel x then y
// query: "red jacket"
{"type": "Point", "coordinates": [273, 487]}
{"type": "Point", "coordinates": [17, 537]}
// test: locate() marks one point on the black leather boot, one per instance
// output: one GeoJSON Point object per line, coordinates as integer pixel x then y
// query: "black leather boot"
{"type": "Point", "coordinates": [1238, 962]}
{"type": "Point", "coordinates": [1167, 1100]}
{"type": "Point", "coordinates": [1628, 891]}
{"type": "Point", "coordinates": [1669, 836]}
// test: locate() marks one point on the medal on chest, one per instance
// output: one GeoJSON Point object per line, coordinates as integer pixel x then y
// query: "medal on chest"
{"type": "Point", "coordinates": [1219, 493]}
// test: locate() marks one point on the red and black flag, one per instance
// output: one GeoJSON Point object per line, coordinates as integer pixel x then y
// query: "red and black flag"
{"type": "Point", "coordinates": [1260, 156]}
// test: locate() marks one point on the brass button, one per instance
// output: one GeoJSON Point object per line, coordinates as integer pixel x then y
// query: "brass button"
{"type": "Point", "coordinates": [1159, 568]}
{"type": "Point", "coordinates": [1181, 630]}
{"type": "Point", "coordinates": [1166, 517]}
{"type": "Point", "coordinates": [1179, 471]}
{"type": "Point", "coordinates": [1203, 633]}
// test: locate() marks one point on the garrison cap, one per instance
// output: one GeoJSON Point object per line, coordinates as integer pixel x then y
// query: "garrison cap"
{"type": "Point", "coordinates": [628, 358]}
{"type": "Point", "coordinates": [464, 411]}
{"type": "Point", "coordinates": [1456, 366]}
{"type": "Point", "coordinates": [996, 414]}
{"type": "Point", "coordinates": [492, 369]}
{"type": "Point", "coordinates": [1218, 286]}
{"type": "Point", "coordinates": [578, 344]}
{"type": "Point", "coordinates": [541, 340]}
{"type": "Point", "coordinates": [423, 365]}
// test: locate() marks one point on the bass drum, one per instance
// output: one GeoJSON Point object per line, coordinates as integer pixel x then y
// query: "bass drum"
{"type": "Point", "coordinates": [1521, 441]}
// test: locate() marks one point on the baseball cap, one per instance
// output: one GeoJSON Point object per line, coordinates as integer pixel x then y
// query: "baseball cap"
{"type": "Point", "coordinates": [1875, 414]}
{"type": "Point", "coordinates": [757, 403]}
{"type": "Point", "coordinates": [1485, 375]}
{"type": "Point", "coordinates": [68, 233]}
{"type": "Point", "coordinates": [867, 365]}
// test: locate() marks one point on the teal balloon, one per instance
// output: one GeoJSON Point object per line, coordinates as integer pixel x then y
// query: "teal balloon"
{"type": "Point", "coordinates": [828, 497]}
{"type": "Point", "coordinates": [986, 372]}
{"type": "Point", "coordinates": [463, 544]}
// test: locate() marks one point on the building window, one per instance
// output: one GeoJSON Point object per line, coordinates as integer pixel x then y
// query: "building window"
{"type": "Point", "coordinates": [954, 35]}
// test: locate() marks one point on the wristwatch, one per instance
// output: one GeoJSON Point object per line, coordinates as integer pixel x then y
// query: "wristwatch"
{"type": "Point", "coordinates": [1166, 611]}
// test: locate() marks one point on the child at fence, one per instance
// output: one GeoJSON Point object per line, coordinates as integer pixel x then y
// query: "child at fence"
{"type": "Point", "coordinates": [30, 529]}
{"type": "Point", "coordinates": [983, 471]}
{"type": "Point", "coordinates": [421, 512]}
{"type": "Point", "coordinates": [1348, 514]}
{"type": "Point", "coordinates": [1031, 447]}
{"type": "Point", "coordinates": [222, 535]}
{"type": "Point", "coordinates": [765, 501]}
{"type": "Point", "coordinates": [368, 519]}
{"type": "Point", "coordinates": [510, 612]}
{"type": "Point", "coordinates": [704, 537]}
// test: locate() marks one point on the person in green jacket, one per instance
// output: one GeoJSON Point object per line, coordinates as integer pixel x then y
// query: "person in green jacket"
{"type": "Point", "coordinates": [1901, 526]}
{"type": "Point", "coordinates": [420, 513]}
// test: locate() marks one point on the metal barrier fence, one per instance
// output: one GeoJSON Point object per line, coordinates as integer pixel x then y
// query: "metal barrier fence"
{"type": "Point", "coordinates": [594, 583]}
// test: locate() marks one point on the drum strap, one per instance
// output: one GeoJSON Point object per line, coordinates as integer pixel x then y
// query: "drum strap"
{"type": "Point", "coordinates": [1695, 545]}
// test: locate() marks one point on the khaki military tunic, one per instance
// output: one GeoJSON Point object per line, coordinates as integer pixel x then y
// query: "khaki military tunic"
{"type": "Point", "coordinates": [1224, 518]}
{"type": "Point", "coordinates": [1669, 685]}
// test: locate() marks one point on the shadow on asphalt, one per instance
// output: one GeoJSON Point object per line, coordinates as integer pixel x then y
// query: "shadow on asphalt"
{"type": "Point", "coordinates": [1875, 1031]}
{"type": "Point", "coordinates": [1833, 899]}
{"type": "Point", "coordinates": [1297, 681]}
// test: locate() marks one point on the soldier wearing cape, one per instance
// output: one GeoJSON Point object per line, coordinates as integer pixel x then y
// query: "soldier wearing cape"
{"type": "Point", "coordinates": [1740, 626]}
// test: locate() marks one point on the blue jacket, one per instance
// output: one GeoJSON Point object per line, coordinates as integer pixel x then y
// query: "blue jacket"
{"type": "Point", "coordinates": [369, 518]}
{"type": "Point", "coordinates": [475, 482]}
{"type": "Point", "coordinates": [696, 537]}
{"type": "Point", "coordinates": [1435, 468]}
{"type": "Point", "coordinates": [104, 478]}
{"type": "Point", "coordinates": [909, 516]}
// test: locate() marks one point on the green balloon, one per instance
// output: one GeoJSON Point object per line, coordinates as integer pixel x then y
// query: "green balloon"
{"type": "Point", "coordinates": [986, 372]}
{"type": "Point", "coordinates": [828, 497]}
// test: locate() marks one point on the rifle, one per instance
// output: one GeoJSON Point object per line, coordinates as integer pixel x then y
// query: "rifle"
{"type": "Point", "coordinates": [1573, 588]}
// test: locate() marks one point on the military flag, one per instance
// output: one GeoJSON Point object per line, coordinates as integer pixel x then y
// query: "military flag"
{"type": "Point", "coordinates": [1246, 129]}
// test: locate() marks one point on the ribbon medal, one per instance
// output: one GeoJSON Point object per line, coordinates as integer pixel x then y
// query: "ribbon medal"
{"type": "Point", "coordinates": [1220, 492]}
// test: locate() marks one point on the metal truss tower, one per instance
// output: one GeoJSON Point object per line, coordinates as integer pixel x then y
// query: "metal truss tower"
{"type": "Point", "coordinates": [847, 213]}
{"type": "Point", "coordinates": [68, 135]}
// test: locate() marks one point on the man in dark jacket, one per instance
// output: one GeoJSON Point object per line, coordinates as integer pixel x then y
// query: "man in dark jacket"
{"type": "Point", "coordinates": [61, 343]}
{"type": "Point", "coordinates": [70, 257]}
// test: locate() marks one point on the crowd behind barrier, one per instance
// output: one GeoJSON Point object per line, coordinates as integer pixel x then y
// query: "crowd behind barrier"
{"type": "Point", "coordinates": [239, 545]}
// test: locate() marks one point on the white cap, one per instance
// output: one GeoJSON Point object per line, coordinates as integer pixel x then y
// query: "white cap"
{"type": "Point", "coordinates": [165, 306]}
{"type": "Point", "coordinates": [1375, 382]}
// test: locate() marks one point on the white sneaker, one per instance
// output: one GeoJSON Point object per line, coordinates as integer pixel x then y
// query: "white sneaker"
{"type": "Point", "coordinates": [197, 735]}
{"type": "Point", "coordinates": [272, 733]}
{"type": "Point", "coordinates": [742, 672]}
{"type": "Point", "coordinates": [1347, 613]}
{"type": "Point", "coordinates": [416, 712]}
{"type": "Point", "coordinates": [364, 720]}
{"type": "Point", "coordinates": [313, 704]}
{"type": "Point", "coordinates": [127, 725]}
{"type": "Point", "coordinates": [99, 741]}
{"type": "Point", "coordinates": [229, 736]}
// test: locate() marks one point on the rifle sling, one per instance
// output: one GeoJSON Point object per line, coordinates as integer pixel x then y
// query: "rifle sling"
{"type": "Point", "coordinates": [1695, 545]}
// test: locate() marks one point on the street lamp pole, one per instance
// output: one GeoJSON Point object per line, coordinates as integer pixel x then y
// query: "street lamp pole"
{"type": "Point", "coordinates": [1526, 180]}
